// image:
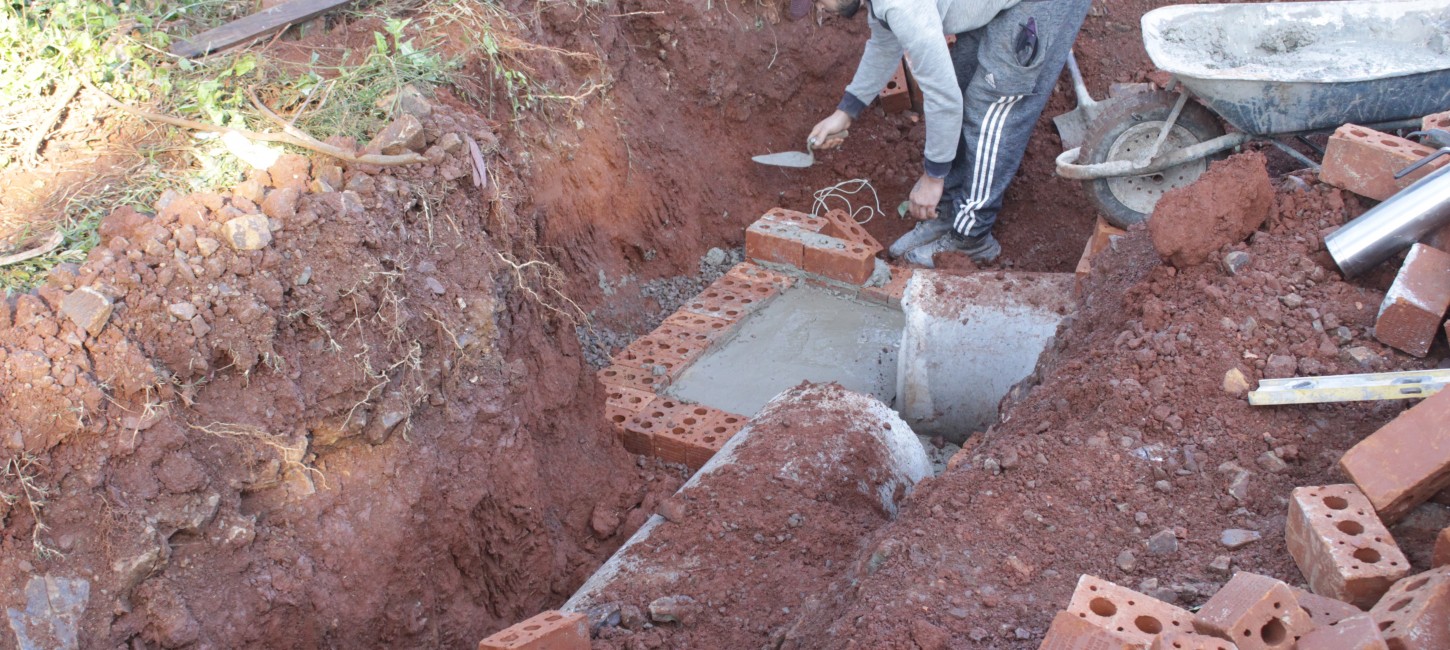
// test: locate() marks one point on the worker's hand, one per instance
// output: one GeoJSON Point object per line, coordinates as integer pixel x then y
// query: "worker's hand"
{"type": "Point", "coordinates": [831, 132]}
{"type": "Point", "coordinates": [925, 196]}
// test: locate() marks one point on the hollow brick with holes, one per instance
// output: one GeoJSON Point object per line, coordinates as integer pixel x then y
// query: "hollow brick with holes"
{"type": "Point", "coordinates": [704, 329]}
{"type": "Point", "coordinates": [1357, 632]}
{"type": "Point", "coordinates": [1126, 612]}
{"type": "Point", "coordinates": [1405, 462]}
{"type": "Point", "coordinates": [1255, 612]}
{"type": "Point", "coordinates": [840, 225]}
{"type": "Point", "coordinates": [1069, 632]}
{"type": "Point", "coordinates": [779, 243]}
{"type": "Point", "coordinates": [839, 260]}
{"type": "Point", "coordinates": [1340, 544]}
{"type": "Point", "coordinates": [1441, 555]}
{"type": "Point", "coordinates": [1436, 121]}
{"type": "Point", "coordinates": [756, 274]}
{"type": "Point", "coordinates": [1415, 305]}
{"type": "Point", "coordinates": [800, 220]}
{"type": "Point", "coordinates": [1415, 613]}
{"type": "Point", "coordinates": [732, 297]}
{"type": "Point", "coordinates": [1323, 610]}
{"type": "Point", "coordinates": [622, 402]}
{"type": "Point", "coordinates": [1364, 161]}
{"type": "Point", "coordinates": [1190, 641]}
{"type": "Point", "coordinates": [891, 293]}
{"type": "Point", "coordinates": [896, 96]}
{"type": "Point", "coordinates": [631, 377]}
{"type": "Point", "coordinates": [665, 344]}
{"type": "Point", "coordinates": [656, 360]}
{"type": "Point", "coordinates": [550, 630]}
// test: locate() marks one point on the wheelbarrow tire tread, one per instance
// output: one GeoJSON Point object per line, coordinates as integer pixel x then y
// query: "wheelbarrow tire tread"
{"type": "Point", "coordinates": [1123, 113]}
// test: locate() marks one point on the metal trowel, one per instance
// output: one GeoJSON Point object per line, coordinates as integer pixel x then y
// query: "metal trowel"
{"type": "Point", "coordinates": [796, 159]}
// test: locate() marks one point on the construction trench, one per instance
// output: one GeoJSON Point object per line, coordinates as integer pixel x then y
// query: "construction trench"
{"type": "Point", "coordinates": [634, 391]}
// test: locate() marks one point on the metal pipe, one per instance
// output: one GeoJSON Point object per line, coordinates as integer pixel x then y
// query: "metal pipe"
{"type": "Point", "coordinates": [1392, 226]}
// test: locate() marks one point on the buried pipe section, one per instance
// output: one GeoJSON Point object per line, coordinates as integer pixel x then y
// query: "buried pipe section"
{"type": "Point", "coordinates": [779, 511]}
{"type": "Point", "coordinates": [968, 340]}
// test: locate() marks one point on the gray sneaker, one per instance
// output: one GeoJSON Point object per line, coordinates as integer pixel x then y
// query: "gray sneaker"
{"type": "Point", "coordinates": [982, 249]}
{"type": "Point", "coordinates": [924, 233]}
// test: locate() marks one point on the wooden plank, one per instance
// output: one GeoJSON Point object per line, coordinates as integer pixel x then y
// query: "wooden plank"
{"type": "Point", "coordinates": [258, 24]}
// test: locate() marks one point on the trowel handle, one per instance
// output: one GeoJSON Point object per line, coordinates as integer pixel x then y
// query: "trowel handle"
{"type": "Point", "coordinates": [1083, 98]}
{"type": "Point", "coordinates": [811, 142]}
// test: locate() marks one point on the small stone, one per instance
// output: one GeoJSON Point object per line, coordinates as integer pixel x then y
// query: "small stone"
{"type": "Point", "coordinates": [182, 310]}
{"type": "Point", "coordinates": [247, 233]}
{"type": "Point", "coordinates": [673, 509]}
{"type": "Point", "coordinates": [206, 246]}
{"type": "Point", "coordinates": [1140, 518]}
{"type": "Point", "coordinates": [992, 466]}
{"type": "Point", "coordinates": [88, 309]}
{"type": "Point", "coordinates": [1164, 542]}
{"type": "Point", "coordinates": [1235, 262]}
{"type": "Point", "coordinates": [1235, 383]}
{"type": "Point", "coordinates": [1010, 459]}
{"type": "Point", "coordinates": [199, 328]}
{"type": "Point", "coordinates": [1270, 462]}
{"type": "Point", "coordinates": [1163, 486]}
{"type": "Point", "coordinates": [1221, 565]}
{"type": "Point", "coordinates": [435, 286]}
{"type": "Point", "coordinates": [1343, 334]}
{"type": "Point", "coordinates": [715, 257]}
{"type": "Point", "coordinates": [795, 520]}
{"type": "Point", "coordinates": [1292, 301]}
{"type": "Point", "coordinates": [405, 134]}
{"type": "Point", "coordinates": [1127, 561]}
{"type": "Point", "coordinates": [409, 101]}
{"type": "Point", "coordinates": [1238, 488]}
{"type": "Point", "coordinates": [1237, 538]}
{"type": "Point", "coordinates": [673, 609]}
{"type": "Point", "coordinates": [281, 204]}
{"type": "Point", "coordinates": [978, 634]}
{"type": "Point", "coordinates": [1281, 366]}
{"type": "Point", "coordinates": [1362, 356]}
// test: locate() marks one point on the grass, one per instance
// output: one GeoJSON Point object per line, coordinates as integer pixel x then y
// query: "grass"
{"type": "Point", "coordinates": [121, 47]}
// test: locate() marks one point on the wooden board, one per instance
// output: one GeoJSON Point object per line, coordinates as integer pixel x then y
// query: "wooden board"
{"type": "Point", "coordinates": [258, 24]}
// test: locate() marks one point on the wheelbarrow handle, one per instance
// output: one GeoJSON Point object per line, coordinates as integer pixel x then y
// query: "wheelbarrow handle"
{"type": "Point", "coordinates": [1438, 136]}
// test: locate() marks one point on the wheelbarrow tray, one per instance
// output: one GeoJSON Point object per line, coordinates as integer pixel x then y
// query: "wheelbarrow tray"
{"type": "Point", "coordinates": [1280, 68]}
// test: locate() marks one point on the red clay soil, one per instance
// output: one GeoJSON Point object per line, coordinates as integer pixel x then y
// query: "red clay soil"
{"type": "Point", "coordinates": [1232, 200]}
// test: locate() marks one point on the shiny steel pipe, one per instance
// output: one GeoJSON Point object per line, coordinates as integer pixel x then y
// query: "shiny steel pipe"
{"type": "Point", "coordinates": [1392, 226]}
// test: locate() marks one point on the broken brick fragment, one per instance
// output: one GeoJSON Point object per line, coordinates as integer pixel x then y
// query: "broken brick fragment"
{"type": "Point", "coordinates": [1405, 462]}
{"type": "Point", "coordinates": [1359, 632]}
{"type": "Point", "coordinates": [1257, 612]}
{"type": "Point", "coordinates": [1414, 307]}
{"type": "Point", "coordinates": [1415, 613]}
{"type": "Point", "coordinates": [1190, 641]}
{"type": "Point", "coordinates": [550, 630]}
{"type": "Point", "coordinates": [1341, 546]}
{"type": "Point", "coordinates": [1125, 612]}
{"type": "Point", "coordinates": [1323, 610]}
{"type": "Point", "coordinates": [1364, 161]}
{"type": "Point", "coordinates": [1071, 632]}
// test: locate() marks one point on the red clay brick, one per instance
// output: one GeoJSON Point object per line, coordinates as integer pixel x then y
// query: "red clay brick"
{"type": "Point", "coordinates": [1364, 161]}
{"type": "Point", "coordinates": [632, 377]}
{"type": "Point", "coordinates": [622, 402]}
{"type": "Point", "coordinates": [1321, 610]}
{"type": "Point", "coordinates": [755, 274]}
{"type": "Point", "coordinates": [1415, 613]}
{"type": "Point", "coordinates": [694, 328]}
{"type": "Point", "coordinates": [1125, 612]}
{"type": "Point", "coordinates": [1257, 612]}
{"type": "Point", "coordinates": [1436, 121]}
{"type": "Point", "coordinates": [1441, 556]}
{"type": "Point", "coordinates": [1341, 546]}
{"type": "Point", "coordinates": [550, 630]}
{"type": "Point", "coordinates": [840, 225]}
{"type": "Point", "coordinates": [1102, 237]}
{"type": "Point", "coordinates": [840, 260]}
{"type": "Point", "coordinates": [733, 296]}
{"type": "Point", "coordinates": [646, 355]}
{"type": "Point", "coordinates": [892, 292]}
{"type": "Point", "coordinates": [1407, 461]}
{"type": "Point", "coordinates": [770, 241]}
{"type": "Point", "coordinates": [1357, 632]}
{"type": "Point", "coordinates": [896, 96]}
{"type": "Point", "coordinates": [800, 220]}
{"type": "Point", "coordinates": [1070, 632]}
{"type": "Point", "coordinates": [1189, 641]}
{"type": "Point", "coordinates": [1414, 307]}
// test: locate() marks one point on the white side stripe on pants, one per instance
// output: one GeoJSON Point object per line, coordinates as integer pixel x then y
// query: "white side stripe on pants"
{"type": "Point", "coordinates": [989, 141]}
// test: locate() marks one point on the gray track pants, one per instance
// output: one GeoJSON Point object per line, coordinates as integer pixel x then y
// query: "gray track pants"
{"type": "Point", "coordinates": [1002, 99]}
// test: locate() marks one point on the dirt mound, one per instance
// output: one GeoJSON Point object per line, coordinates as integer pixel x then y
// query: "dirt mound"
{"type": "Point", "coordinates": [1226, 205]}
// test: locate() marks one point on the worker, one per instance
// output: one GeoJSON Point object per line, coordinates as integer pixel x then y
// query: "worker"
{"type": "Point", "coordinates": [982, 97]}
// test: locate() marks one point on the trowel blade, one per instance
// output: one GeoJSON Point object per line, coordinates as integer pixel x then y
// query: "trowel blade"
{"type": "Point", "coordinates": [797, 159]}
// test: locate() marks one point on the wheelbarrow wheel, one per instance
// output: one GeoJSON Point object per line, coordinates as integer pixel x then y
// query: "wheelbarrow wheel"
{"type": "Point", "coordinates": [1123, 131]}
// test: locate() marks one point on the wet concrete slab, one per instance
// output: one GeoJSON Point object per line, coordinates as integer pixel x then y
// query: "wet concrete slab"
{"type": "Point", "coordinates": [808, 333]}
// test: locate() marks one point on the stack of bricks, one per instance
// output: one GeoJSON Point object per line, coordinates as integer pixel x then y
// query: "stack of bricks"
{"type": "Point", "coordinates": [654, 425]}
{"type": "Point", "coordinates": [1341, 546]}
{"type": "Point", "coordinates": [1413, 310]}
{"type": "Point", "coordinates": [1365, 161]}
{"type": "Point", "coordinates": [550, 630]}
{"type": "Point", "coordinates": [833, 246]}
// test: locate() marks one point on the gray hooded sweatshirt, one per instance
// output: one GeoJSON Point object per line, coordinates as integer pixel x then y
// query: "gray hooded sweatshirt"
{"type": "Point", "coordinates": [918, 29]}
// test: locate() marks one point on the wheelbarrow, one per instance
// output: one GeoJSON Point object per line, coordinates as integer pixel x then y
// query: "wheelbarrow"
{"type": "Point", "coordinates": [1270, 71]}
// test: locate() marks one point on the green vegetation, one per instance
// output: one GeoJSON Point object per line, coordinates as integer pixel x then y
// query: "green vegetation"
{"type": "Point", "coordinates": [122, 48]}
